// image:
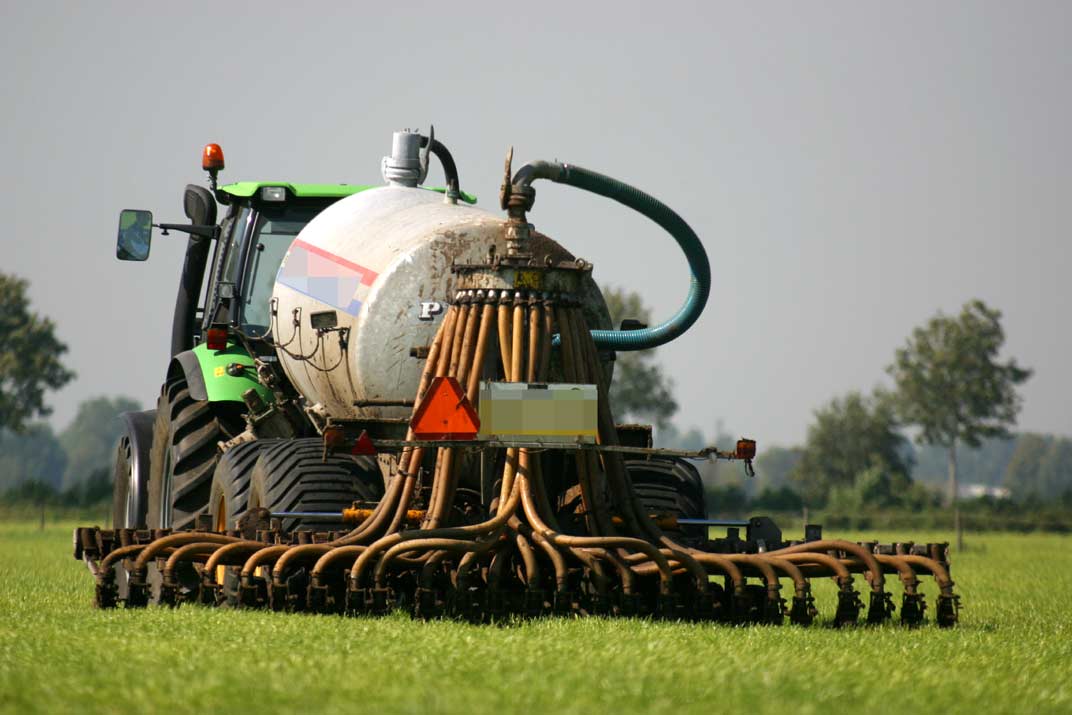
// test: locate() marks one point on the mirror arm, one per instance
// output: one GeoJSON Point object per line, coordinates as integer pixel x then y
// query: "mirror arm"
{"type": "Point", "coordinates": [205, 231]}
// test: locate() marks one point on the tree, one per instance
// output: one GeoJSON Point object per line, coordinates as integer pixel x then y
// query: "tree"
{"type": "Point", "coordinates": [29, 357]}
{"type": "Point", "coordinates": [1040, 468]}
{"type": "Point", "coordinates": [850, 436]}
{"type": "Point", "coordinates": [950, 383]}
{"type": "Point", "coordinates": [980, 465]}
{"type": "Point", "coordinates": [640, 389]}
{"type": "Point", "coordinates": [774, 465]}
{"type": "Point", "coordinates": [32, 456]}
{"type": "Point", "coordinates": [91, 436]}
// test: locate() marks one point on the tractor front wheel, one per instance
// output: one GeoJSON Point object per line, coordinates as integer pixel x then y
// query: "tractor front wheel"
{"type": "Point", "coordinates": [184, 454]}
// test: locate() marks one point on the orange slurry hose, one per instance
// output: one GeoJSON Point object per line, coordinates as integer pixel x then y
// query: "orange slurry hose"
{"type": "Point", "coordinates": [104, 570]}
{"type": "Point", "coordinates": [571, 366]}
{"type": "Point", "coordinates": [461, 330]}
{"type": "Point", "coordinates": [625, 572]}
{"type": "Point", "coordinates": [297, 554]}
{"type": "Point", "coordinates": [535, 320]}
{"type": "Point", "coordinates": [442, 544]}
{"type": "Point", "coordinates": [187, 552]}
{"type": "Point", "coordinates": [532, 513]}
{"type": "Point", "coordinates": [444, 473]}
{"type": "Point", "coordinates": [528, 558]}
{"type": "Point", "coordinates": [517, 351]}
{"type": "Point", "coordinates": [623, 542]}
{"type": "Point", "coordinates": [546, 329]}
{"type": "Point", "coordinates": [558, 561]}
{"type": "Point", "coordinates": [719, 561]}
{"type": "Point", "coordinates": [636, 520]}
{"type": "Point", "coordinates": [452, 339]}
{"type": "Point", "coordinates": [468, 562]}
{"type": "Point", "coordinates": [801, 587]}
{"type": "Point", "coordinates": [539, 359]}
{"type": "Point", "coordinates": [829, 565]}
{"type": "Point", "coordinates": [585, 349]}
{"type": "Point", "coordinates": [905, 572]}
{"type": "Point", "coordinates": [504, 332]}
{"type": "Point", "coordinates": [763, 566]}
{"type": "Point", "coordinates": [401, 483]}
{"type": "Point", "coordinates": [544, 321]}
{"type": "Point", "coordinates": [589, 559]}
{"type": "Point", "coordinates": [175, 540]}
{"type": "Point", "coordinates": [505, 511]}
{"type": "Point", "coordinates": [477, 368]}
{"type": "Point", "coordinates": [501, 554]}
{"type": "Point", "coordinates": [941, 575]}
{"type": "Point", "coordinates": [452, 466]}
{"type": "Point", "coordinates": [429, 567]}
{"type": "Point", "coordinates": [261, 557]}
{"type": "Point", "coordinates": [336, 554]}
{"type": "Point", "coordinates": [876, 578]}
{"type": "Point", "coordinates": [228, 553]}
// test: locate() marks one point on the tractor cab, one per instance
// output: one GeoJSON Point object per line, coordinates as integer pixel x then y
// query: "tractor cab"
{"type": "Point", "coordinates": [230, 267]}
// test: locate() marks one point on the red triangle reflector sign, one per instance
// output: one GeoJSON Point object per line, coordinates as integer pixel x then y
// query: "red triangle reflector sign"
{"type": "Point", "coordinates": [445, 413]}
{"type": "Point", "coordinates": [363, 445]}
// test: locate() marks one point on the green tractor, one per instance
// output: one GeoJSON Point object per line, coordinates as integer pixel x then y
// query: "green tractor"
{"type": "Point", "coordinates": [166, 457]}
{"type": "Point", "coordinates": [380, 398]}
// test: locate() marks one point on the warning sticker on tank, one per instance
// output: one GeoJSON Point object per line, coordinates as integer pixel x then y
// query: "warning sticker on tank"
{"type": "Point", "coordinates": [328, 278]}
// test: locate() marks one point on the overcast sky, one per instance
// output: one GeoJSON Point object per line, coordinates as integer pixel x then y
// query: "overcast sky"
{"type": "Point", "coordinates": [852, 168]}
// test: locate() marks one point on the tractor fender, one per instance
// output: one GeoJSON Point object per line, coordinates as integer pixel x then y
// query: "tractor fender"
{"type": "Point", "coordinates": [138, 430]}
{"type": "Point", "coordinates": [212, 375]}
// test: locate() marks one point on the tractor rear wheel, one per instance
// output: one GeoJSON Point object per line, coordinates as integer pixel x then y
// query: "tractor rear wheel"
{"type": "Point", "coordinates": [294, 476]}
{"type": "Point", "coordinates": [670, 486]}
{"type": "Point", "coordinates": [231, 482]}
{"type": "Point", "coordinates": [229, 500]}
{"type": "Point", "coordinates": [184, 454]}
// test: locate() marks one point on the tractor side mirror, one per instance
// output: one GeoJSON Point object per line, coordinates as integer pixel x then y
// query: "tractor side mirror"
{"type": "Point", "coordinates": [135, 234]}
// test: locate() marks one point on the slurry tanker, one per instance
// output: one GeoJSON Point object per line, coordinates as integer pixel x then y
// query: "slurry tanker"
{"type": "Point", "coordinates": [384, 397]}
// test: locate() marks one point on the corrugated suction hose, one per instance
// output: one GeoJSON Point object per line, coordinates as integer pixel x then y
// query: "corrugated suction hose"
{"type": "Point", "coordinates": [660, 213]}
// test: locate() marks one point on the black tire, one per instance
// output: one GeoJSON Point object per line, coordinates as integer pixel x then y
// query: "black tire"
{"type": "Point", "coordinates": [671, 486]}
{"type": "Point", "coordinates": [293, 476]}
{"type": "Point", "coordinates": [229, 499]}
{"type": "Point", "coordinates": [229, 495]}
{"type": "Point", "coordinates": [184, 454]}
{"type": "Point", "coordinates": [121, 478]}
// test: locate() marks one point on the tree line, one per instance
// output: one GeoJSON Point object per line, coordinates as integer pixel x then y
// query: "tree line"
{"type": "Point", "coordinates": [951, 390]}
{"type": "Point", "coordinates": [72, 468]}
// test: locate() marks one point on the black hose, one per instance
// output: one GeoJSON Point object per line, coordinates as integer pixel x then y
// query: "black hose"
{"type": "Point", "coordinates": [450, 169]}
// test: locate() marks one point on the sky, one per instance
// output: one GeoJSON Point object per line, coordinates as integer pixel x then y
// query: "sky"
{"type": "Point", "coordinates": [851, 167]}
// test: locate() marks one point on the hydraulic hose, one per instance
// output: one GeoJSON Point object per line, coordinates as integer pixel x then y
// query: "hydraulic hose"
{"type": "Point", "coordinates": [660, 213]}
{"type": "Point", "coordinates": [446, 160]}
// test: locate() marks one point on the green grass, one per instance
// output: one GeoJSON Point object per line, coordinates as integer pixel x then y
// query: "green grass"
{"type": "Point", "coordinates": [1012, 652]}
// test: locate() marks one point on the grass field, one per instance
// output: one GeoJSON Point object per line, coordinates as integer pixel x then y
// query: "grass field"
{"type": "Point", "coordinates": [1012, 652]}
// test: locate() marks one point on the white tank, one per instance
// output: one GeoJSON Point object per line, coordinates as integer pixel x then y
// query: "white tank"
{"type": "Point", "coordinates": [378, 259]}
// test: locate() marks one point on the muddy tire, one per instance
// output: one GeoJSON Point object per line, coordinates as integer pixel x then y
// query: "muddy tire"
{"type": "Point", "coordinates": [293, 476]}
{"type": "Point", "coordinates": [184, 454]}
{"type": "Point", "coordinates": [231, 482]}
{"type": "Point", "coordinates": [229, 500]}
{"type": "Point", "coordinates": [666, 485]}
